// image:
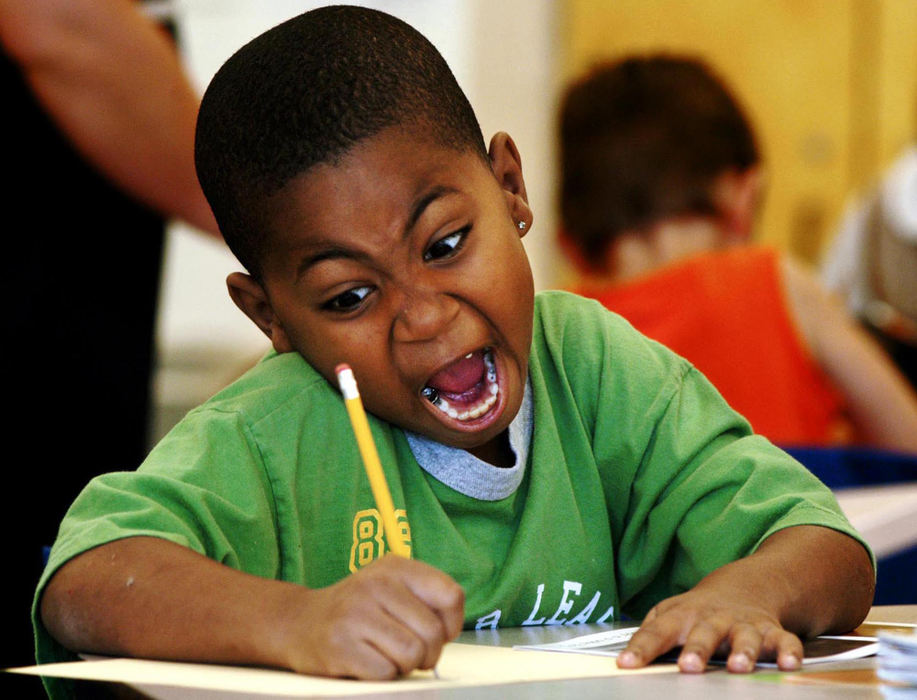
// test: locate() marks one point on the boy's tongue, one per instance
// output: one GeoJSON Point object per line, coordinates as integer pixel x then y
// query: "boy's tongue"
{"type": "Point", "coordinates": [461, 376]}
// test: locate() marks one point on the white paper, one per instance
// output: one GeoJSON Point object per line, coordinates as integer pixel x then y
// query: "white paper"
{"type": "Point", "coordinates": [613, 642]}
{"type": "Point", "coordinates": [898, 658]}
{"type": "Point", "coordinates": [606, 643]}
{"type": "Point", "coordinates": [459, 665]}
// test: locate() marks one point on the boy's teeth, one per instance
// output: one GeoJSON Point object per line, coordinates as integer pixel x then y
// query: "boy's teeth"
{"type": "Point", "coordinates": [477, 410]}
{"type": "Point", "coordinates": [474, 412]}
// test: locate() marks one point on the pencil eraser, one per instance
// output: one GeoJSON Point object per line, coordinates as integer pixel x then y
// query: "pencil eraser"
{"type": "Point", "coordinates": [347, 381]}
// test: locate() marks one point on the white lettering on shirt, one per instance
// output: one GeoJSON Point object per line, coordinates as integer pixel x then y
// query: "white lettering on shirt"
{"type": "Point", "coordinates": [540, 620]}
{"type": "Point", "coordinates": [572, 589]}
{"type": "Point", "coordinates": [586, 613]}
{"type": "Point", "coordinates": [610, 613]}
{"type": "Point", "coordinates": [565, 602]}
{"type": "Point", "coordinates": [491, 620]}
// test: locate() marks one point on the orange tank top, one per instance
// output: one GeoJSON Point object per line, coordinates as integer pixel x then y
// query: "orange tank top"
{"type": "Point", "coordinates": [726, 313]}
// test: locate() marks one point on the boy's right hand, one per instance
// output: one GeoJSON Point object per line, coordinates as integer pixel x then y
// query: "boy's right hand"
{"type": "Point", "coordinates": [146, 597]}
{"type": "Point", "coordinates": [388, 619]}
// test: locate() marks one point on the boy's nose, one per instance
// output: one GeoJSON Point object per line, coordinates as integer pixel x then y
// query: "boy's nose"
{"type": "Point", "coordinates": [424, 315]}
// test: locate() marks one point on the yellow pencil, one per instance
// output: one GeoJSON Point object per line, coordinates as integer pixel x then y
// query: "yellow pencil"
{"type": "Point", "coordinates": [377, 483]}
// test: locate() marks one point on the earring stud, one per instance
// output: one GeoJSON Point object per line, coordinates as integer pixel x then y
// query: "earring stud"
{"type": "Point", "coordinates": [521, 226]}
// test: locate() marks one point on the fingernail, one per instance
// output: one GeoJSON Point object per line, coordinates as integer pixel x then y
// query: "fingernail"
{"type": "Point", "coordinates": [789, 662]}
{"type": "Point", "coordinates": [740, 662]}
{"type": "Point", "coordinates": [627, 659]}
{"type": "Point", "coordinates": [691, 662]}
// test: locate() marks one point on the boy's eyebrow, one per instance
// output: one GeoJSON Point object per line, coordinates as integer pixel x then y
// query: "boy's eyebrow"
{"type": "Point", "coordinates": [333, 251]}
{"type": "Point", "coordinates": [330, 253]}
{"type": "Point", "coordinates": [426, 200]}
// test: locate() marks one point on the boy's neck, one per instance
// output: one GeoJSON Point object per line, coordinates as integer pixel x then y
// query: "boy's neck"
{"type": "Point", "coordinates": [496, 452]}
{"type": "Point", "coordinates": [634, 255]}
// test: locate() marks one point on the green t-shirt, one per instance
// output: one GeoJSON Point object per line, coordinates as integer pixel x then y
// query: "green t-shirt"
{"type": "Point", "coordinates": [640, 480]}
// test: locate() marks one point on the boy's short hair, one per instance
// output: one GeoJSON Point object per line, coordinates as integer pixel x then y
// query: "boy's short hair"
{"type": "Point", "coordinates": [642, 139]}
{"type": "Point", "coordinates": [306, 92]}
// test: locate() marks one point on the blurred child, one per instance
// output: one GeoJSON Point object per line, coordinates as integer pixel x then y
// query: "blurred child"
{"type": "Point", "coordinates": [872, 261]}
{"type": "Point", "coordinates": [661, 181]}
{"type": "Point", "coordinates": [550, 464]}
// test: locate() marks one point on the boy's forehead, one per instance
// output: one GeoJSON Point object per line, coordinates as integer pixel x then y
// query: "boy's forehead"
{"type": "Point", "coordinates": [390, 177]}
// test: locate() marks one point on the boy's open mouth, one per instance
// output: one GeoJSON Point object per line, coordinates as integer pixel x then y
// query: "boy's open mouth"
{"type": "Point", "coordinates": [467, 388]}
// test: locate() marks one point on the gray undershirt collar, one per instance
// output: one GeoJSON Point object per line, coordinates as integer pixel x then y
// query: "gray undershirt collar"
{"type": "Point", "coordinates": [470, 476]}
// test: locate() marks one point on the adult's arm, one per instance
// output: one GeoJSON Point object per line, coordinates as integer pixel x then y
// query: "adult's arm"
{"type": "Point", "coordinates": [113, 83]}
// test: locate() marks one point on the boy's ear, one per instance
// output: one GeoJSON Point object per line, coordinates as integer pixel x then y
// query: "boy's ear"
{"type": "Point", "coordinates": [506, 164]}
{"type": "Point", "coordinates": [252, 299]}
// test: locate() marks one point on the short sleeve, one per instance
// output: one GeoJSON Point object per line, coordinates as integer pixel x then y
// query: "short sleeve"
{"type": "Point", "coordinates": [707, 491]}
{"type": "Point", "coordinates": [203, 487]}
{"type": "Point", "coordinates": [688, 486]}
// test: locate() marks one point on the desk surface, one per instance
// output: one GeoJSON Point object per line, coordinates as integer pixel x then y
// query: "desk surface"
{"type": "Point", "coordinates": [817, 681]}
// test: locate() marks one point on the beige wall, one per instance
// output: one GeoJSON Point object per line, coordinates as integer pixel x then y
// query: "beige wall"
{"type": "Point", "coordinates": [830, 84]}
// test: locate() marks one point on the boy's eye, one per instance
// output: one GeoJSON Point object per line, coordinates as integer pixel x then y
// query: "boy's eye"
{"type": "Point", "coordinates": [348, 301]}
{"type": "Point", "coordinates": [447, 246]}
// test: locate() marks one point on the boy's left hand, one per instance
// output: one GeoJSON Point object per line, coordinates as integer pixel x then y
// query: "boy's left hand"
{"type": "Point", "coordinates": [705, 623]}
{"type": "Point", "coordinates": [804, 580]}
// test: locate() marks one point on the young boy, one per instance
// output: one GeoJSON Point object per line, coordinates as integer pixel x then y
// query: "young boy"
{"type": "Point", "coordinates": [553, 465]}
{"type": "Point", "coordinates": [660, 186]}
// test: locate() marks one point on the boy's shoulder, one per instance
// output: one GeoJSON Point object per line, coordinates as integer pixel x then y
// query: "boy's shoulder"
{"type": "Point", "coordinates": [557, 309]}
{"type": "Point", "coordinates": [584, 330]}
{"type": "Point", "coordinates": [274, 383]}
{"type": "Point", "coordinates": [581, 344]}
